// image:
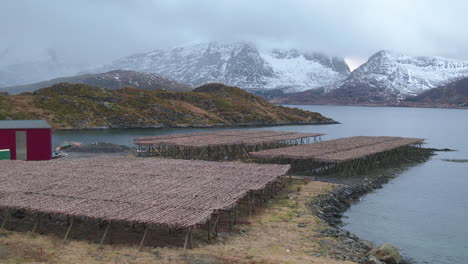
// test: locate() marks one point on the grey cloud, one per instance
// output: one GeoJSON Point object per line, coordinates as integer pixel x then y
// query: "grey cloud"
{"type": "Point", "coordinates": [90, 31]}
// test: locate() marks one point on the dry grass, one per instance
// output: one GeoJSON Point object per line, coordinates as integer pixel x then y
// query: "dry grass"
{"type": "Point", "coordinates": [271, 236]}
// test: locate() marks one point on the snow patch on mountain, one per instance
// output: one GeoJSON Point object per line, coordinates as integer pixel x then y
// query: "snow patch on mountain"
{"type": "Point", "coordinates": [301, 72]}
{"type": "Point", "coordinates": [238, 64]}
{"type": "Point", "coordinates": [404, 75]}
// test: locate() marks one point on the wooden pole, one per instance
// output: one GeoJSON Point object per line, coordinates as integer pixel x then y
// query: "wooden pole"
{"type": "Point", "coordinates": [231, 220]}
{"type": "Point", "coordinates": [216, 226]}
{"type": "Point", "coordinates": [191, 239]}
{"type": "Point", "coordinates": [144, 237]}
{"type": "Point", "coordinates": [209, 229]}
{"type": "Point", "coordinates": [253, 201]}
{"type": "Point", "coordinates": [250, 203]}
{"type": "Point", "coordinates": [214, 229]}
{"type": "Point", "coordinates": [7, 215]}
{"type": "Point", "coordinates": [68, 231]}
{"type": "Point", "coordinates": [105, 234]}
{"type": "Point", "coordinates": [36, 224]}
{"type": "Point", "coordinates": [235, 214]}
{"type": "Point", "coordinates": [189, 231]}
{"type": "Point", "coordinates": [21, 221]}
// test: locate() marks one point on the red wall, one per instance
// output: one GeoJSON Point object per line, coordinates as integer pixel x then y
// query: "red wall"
{"type": "Point", "coordinates": [8, 141]}
{"type": "Point", "coordinates": [39, 143]}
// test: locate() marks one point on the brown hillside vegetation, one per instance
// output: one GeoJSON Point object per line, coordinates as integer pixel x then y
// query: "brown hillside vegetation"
{"type": "Point", "coordinates": [74, 106]}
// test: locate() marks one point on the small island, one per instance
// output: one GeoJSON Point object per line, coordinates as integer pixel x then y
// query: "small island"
{"type": "Point", "coordinates": [80, 106]}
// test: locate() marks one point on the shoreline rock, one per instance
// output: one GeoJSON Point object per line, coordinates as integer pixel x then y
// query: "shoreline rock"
{"type": "Point", "coordinates": [384, 253]}
{"type": "Point", "coordinates": [100, 147]}
{"type": "Point", "coordinates": [207, 126]}
{"type": "Point", "coordinates": [436, 106]}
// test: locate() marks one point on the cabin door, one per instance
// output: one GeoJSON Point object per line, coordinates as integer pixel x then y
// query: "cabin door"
{"type": "Point", "coordinates": [21, 149]}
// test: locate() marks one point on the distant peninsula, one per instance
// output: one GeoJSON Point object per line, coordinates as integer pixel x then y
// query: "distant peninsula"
{"type": "Point", "coordinates": [80, 106]}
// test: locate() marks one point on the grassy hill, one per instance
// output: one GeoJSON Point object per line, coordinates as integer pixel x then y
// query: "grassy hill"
{"type": "Point", "coordinates": [74, 106]}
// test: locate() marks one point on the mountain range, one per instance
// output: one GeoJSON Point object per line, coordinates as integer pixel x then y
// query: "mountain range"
{"type": "Point", "coordinates": [287, 76]}
{"type": "Point", "coordinates": [113, 80]}
{"type": "Point", "coordinates": [386, 78]}
{"type": "Point", "coordinates": [43, 67]}
{"type": "Point", "coordinates": [452, 94]}
{"type": "Point", "coordinates": [239, 64]}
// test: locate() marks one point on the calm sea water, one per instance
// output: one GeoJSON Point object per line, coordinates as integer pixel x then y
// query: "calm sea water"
{"type": "Point", "coordinates": [424, 211]}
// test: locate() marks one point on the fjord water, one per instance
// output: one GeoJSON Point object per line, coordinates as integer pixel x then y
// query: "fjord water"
{"type": "Point", "coordinates": [423, 211]}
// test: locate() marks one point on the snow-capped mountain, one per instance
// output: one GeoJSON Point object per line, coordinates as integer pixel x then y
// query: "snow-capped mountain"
{"type": "Point", "coordinates": [386, 78]}
{"type": "Point", "coordinates": [402, 75]}
{"type": "Point", "coordinates": [238, 64]}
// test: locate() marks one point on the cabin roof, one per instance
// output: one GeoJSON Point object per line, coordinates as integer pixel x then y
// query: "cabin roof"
{"type": "Point", "coordinates": [23, 124]}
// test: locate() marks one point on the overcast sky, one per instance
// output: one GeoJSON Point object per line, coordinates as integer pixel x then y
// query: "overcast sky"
{"type": "Point", "coordinates": [97, 31]}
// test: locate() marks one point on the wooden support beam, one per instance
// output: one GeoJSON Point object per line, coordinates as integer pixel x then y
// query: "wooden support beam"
{"type": "Point", "coordinates": [21, 221]}
{"type": "Point", "coordinates": [5, 219]}
{"type": "Point", "coordinates": [214, 228]}
{"type": "Point", "coordinates": [159, 153]}
{"type": "Point", "coordinates": [209, 229]}
{"type": "Point", "coordinates": [68, 231]}
{"type": "Point", "coordinates": [144, 237]}
{"type": "Point", "coordinates": [253, 202]}
{"type": "Point", "coordinates": [235, 214]}
{"type": "Point", "coordinates": [38, 219]}
{"type": "Point", "coordinates": [191, 239]}
{"type": "Point", "coordinates": [104, 235]}
{"type": "Point", "coordinates": [250, 203]}
{"type": "Point", "coordinates": [188, 239]}
{"type": "Point", "coordinates": [231, 220]}
{"type": "Point", "coordinates": [181, 152]}
{"type": "Point", "coordinates": [246, 151]}
{"type": "Point", "coordinates": [202, 152]}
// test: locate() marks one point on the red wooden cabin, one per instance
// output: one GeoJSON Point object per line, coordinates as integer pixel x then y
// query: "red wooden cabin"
{"type": "Point", "coordinates": [26, 139]}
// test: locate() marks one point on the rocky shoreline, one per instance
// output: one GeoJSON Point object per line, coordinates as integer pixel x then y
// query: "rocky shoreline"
{"type": "Point", "coordinates": [330, 207]}
{"type": "Point", "coordinates": [444, 106]}
{"type": "Point", "coordinates": [260, 124]}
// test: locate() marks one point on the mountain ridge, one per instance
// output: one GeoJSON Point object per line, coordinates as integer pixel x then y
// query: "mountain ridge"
{"type": "Point", "coordinates": [113, 80]}
{"type": "Point", "coordinates": [42, 68]}
{"type": "Point", "coordinates": [387, 78]}
{"type": "Point", "coordinates": [453, 94]}
{"type": "Point", "coordinates": [239, 64]}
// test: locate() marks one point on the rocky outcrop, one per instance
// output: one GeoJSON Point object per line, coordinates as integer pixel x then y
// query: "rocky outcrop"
{"type": "Point", "coordinates": [384, 253]}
